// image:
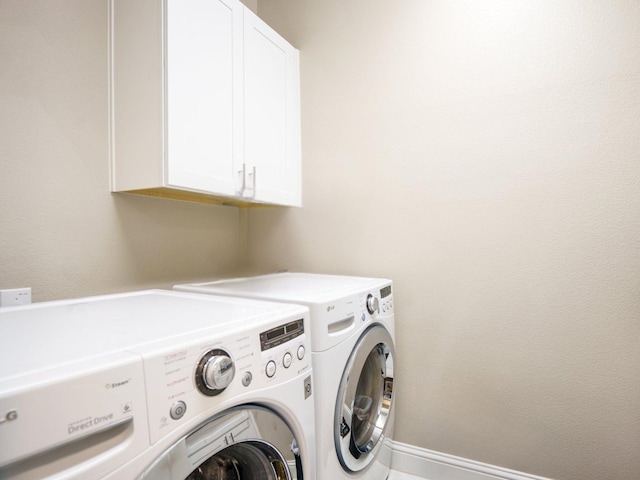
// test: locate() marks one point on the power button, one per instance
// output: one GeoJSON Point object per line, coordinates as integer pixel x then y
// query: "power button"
{"type": "Point", "coordinates": [177, 410]}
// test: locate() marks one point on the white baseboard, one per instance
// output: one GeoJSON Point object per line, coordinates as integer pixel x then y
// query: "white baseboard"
{"type": "Point", "coordinates": [432, 465]}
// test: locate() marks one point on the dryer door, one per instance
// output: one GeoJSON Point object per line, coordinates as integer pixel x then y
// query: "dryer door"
{"type": "Point", "coordinates": [364, 400]}
{"type": "Point", "coordinates": [244, 443]}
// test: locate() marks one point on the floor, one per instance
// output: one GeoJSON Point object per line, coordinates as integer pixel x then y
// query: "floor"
{"type": "Point", "coordinates": [402, 476]}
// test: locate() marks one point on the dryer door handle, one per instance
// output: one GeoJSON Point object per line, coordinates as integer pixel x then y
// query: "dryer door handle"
{"type": "Point", "coordinates": [340, 325]}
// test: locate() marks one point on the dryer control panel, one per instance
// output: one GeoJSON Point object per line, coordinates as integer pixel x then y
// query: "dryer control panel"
{"type": "Point", "coordinates": [386, 298]}
{"type": "Point", "coordinates": [338, 318]}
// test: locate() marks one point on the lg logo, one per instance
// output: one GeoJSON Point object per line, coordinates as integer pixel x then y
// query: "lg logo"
{"type": "Point", "coordinates": [9, 416]}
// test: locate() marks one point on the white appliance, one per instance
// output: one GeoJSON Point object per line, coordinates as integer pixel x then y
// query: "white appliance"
{"type": "Point", "coordinates": [352, 343]}
{"type": "Point", "coordinates": [156, 385]}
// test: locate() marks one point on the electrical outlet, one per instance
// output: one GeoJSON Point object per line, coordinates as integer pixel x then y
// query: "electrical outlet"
{"type": "Point", "coordinates": [15, 296]}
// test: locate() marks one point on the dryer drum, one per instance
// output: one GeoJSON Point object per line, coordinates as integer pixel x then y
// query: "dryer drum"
{"type": "Point", "coordinates": [365, 413]}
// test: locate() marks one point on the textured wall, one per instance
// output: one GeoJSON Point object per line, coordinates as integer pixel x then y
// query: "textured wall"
{"type": "Point", "coordinates": [61, 231]}
{"type": "Point", "coordinates": [486, 156]}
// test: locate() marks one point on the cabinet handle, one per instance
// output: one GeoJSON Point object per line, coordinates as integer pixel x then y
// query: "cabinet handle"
{"type": "Point", "coordinates": [253, 183]}
{"type": "Point", "coordinates": [243, 183]}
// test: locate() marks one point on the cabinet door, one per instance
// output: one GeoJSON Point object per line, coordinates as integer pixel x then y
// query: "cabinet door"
{"type": "Point", "coordinates": [272, 118]}
{"type": "Point", "coordinates": [203, 129]}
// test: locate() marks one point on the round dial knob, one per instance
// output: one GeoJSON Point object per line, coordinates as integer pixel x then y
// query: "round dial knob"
{"type": "Point", "coordinates": [218, 372]}
{"type": "Point", "coordinates": [214, 372]}
{"type": "Point", "coordinates": [372, 304]}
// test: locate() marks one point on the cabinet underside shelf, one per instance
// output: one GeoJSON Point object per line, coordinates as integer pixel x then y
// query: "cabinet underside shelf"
{"type": "Point", "coordinates": [175, 194]}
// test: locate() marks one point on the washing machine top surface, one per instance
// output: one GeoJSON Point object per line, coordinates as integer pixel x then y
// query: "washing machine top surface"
{"type": "Point", "coordinates": [306, 288]}
{"type": "Point", "coordinates": [54, 334]}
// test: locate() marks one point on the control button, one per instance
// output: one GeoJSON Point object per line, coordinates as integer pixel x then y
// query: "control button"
{"type": "Point", "coordinates": [301, 352]}
{"type": "Point", "coordinates": [177, 410]}
{"type": "Point", "coordinates": [246, 379]}
{"type": "Point", "coordinates": [287, 359]}
{"type": "Point", "coordinates": [270, 370]}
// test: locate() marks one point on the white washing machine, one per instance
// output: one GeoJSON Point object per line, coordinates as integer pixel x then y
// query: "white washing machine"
{"type": "Point", "coordinates": [156, 385]}
{"type": "Point", "coordinates": [352, 342]}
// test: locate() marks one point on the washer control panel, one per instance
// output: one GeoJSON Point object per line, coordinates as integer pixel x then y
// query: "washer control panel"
{"type": "Point", "coordinates": [209, 371]}
{"type": "Point", "coordinates": [282, 336]}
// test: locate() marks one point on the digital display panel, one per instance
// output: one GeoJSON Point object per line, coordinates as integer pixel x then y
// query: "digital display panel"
{"type": "Point", "coordinates": [275, 333]}
{"type": "Point", "coordinates": [281, 334]}
{"type": "Point", "coordinates": [294, 326]}
{"type": "Point", "coordinates": [385, 292]}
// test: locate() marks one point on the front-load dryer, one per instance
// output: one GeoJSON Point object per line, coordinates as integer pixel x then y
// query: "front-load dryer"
{"type": "Point", "coordinates": [352, 344]}
{"type": "Point", "coordinates": [156, 385]}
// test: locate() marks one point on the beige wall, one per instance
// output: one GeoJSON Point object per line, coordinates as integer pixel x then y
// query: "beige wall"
{"type": "Point", "coordinates": [486, 156]}
{"type": "Point", "coordinates": [251, 4]}
{"type": "Point", "coordinates": [61, 231]}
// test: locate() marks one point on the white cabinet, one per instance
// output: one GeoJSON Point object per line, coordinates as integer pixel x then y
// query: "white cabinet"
{"type": "Point", "coordinates": [204, 103]}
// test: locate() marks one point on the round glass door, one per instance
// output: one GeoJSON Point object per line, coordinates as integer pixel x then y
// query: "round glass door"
{"type": "Point", "coordinates": [243, 443]}
{"type": "Point", "coordinates": [364, 399]}
{"type": "Point", "coordinates": [249, 460]}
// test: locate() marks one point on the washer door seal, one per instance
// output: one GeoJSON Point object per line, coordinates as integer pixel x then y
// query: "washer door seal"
{"type": "Point", "coordinates": [231, 446]}
{"type": "Point", "coordinates": [250, 460]}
